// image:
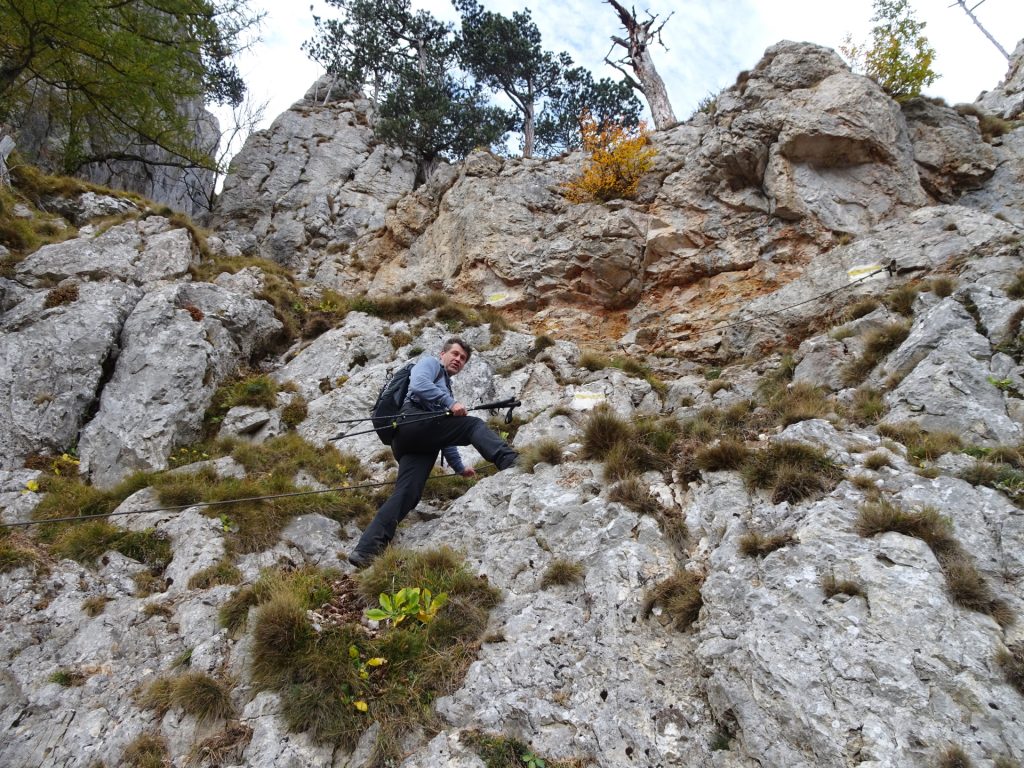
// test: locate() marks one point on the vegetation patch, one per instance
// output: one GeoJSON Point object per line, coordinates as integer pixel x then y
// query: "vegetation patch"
{"type": "Point", "coordinates": [678, 597]}
{"type": "Point", "coordinates": [636, 495]}
{"type": "Point", "coordinates": [878, 343]}
{"type": "Point", "coordinates": [954, 757]}
{"type": "Point", "coordinates": [756, 544]}
{"type": "Point", "coordinates": [876, 460]}
{"type": "Point", "coordinates": [737, 420]}
{"type": "Point", "coordinates": [832, 586]}
{"type": "Point", "coordinates": [223, 748]}
{"type": "Point", "coordinates": [68, 678]}
{"type": "Point", "coordinates": [223, 572]}
{"type": "Point", "coordinates": [629, 447]}
{"type": "Point", "coordinates": [339, 675]}
{"type": "Point", "coordinates": [94, 606]}
{"type": "Point", "coordinates": [87, 541]}
{"type": "Point", "coordinates": [19, 551]}
{"type": "Point", "coordinates": [965, 584]}
{"type": "Point", "coordinates": [61, 295]}
{"type": "Point", "coordinates": [726, 454]}
{"type": "Point", "coordinates": [921, 445]}
{"type": "Point", "coordinates": [1002, 477]}
{"type": "Point", "coordinates": [295, 412]}
{"type": "Point", "coordinates": [792, 471]}
{"type": "Point", "coordinates": [561, 572]}
{"type": "Point", "coordinates": [1011, 661]}
{"type": "Point", "coordinates": [861, 308]}
{"type": "Point", "coordinates": [901, 300]}
{"type": "Point", "coordinates": [867, 406]}
{"type": "Point", "coordinates": [194, 693]}
{"type": "Point", "coordinates": [499, 751]}
{"type": "Point", "coordinates": [147, 750]}
{"type": "Point", "coordinates": [544, 451]}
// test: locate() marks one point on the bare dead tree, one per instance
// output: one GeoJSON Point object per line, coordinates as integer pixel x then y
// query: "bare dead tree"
{"type": "Point", "coordinates": [640, 35]}
{"type": "Point", "coordinates": [972, 17]}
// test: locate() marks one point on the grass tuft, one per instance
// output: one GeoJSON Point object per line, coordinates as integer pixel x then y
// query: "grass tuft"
{"type": "Point", "coordinates": [878, 343]}
{"type": "Point", "coordinates": [679, 597]}
{"type": "Point", "coordinates": [792, 471]}
{"type": "Point", "coordinates": [562, 572]}
{"type": "Point", "coordinates": [194, 693]}
{"type": "Point", "coordinates": [868, 406]}
{"type": "Point", "coordinates": [755, 544]}
{"type": "Point", "coordinates": [146, 751]}
{"type": "Point", "coordinates": [223, 572]}
{"type": "Point", "coordinates": [921, 445]}
{"type": "Point", "coordinates": [954, 757]}
{"type": "Point", "coordinates": [726, 454]}
{"type": "Point", "coordinates": [832, 586]}
{"type": "Point", "coordinates": [545, 451]}
{"type": "Point", "coordinates": [1011, 661]}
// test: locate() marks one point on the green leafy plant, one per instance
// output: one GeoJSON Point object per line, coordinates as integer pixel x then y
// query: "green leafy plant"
{"type": "Point", "coordinates": [408, 602]}
{"type": "Point", "coordinates": [531, 760]}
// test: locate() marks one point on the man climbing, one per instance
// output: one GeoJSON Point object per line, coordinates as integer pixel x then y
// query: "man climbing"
{"type": "Point", "coordinates": [419, 438]}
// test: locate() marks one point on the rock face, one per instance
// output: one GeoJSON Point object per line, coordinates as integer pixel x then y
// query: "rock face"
{"type": "Point", "coordinates": [1007, 99]}
{"type": "Point", "coordinates": [883, 246]}
{"type": "Point", "coordinates": [311, 183]}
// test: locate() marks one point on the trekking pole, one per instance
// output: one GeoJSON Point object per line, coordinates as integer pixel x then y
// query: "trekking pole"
{"type": "Point", "coordinates": [511, 403]}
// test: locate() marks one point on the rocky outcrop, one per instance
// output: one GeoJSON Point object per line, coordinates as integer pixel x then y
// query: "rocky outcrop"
{"type": "Point", "coordinates": [1007, 99]}
{"type": "Point", "coordinates": [313, 182]}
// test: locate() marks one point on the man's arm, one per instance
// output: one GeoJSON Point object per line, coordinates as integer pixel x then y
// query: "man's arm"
{"type": "Point", "coordinates": [426, 382]}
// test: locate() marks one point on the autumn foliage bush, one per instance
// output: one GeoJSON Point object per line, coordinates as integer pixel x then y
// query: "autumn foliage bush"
{"type": "Point", "coordinates": [619, 156]}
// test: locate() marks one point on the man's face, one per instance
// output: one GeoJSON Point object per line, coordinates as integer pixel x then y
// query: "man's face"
{"type": "Point", "coordinates": [454, 359]}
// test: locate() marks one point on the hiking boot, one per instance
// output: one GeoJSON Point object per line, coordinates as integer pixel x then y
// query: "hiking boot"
{"type": "Point", "coordinates": [361, 559]}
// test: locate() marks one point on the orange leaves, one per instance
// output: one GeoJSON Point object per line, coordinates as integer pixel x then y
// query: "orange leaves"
{"type": "Point", "coordinates": [619, 156]}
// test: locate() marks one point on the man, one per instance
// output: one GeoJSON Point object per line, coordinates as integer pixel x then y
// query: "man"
{"type": "Point", "coordinates": [419, 438]}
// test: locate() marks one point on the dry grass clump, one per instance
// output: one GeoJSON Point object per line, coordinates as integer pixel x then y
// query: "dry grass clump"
{"type": "Point", "coordinates": [1005, 477]}
{"type": "Point", "coordinates": [68, 678]}
{"type": "Point", "coordinates": [942, 286]}
{"type": "Point", "coordinates": [901, 300]}
{"type": "Point", "coordinates": [636, 495]}
{"type": "Point", "coordinates": [679, 597]}
{"type": "Point", "coordinates": [878, 343]}
{"type": "Point", "coordinates": [146, 751]}
{"type": "Point", "coordinates": [61, 295]}
{"type": "Point", "coordinates": [223, 572]}
{"type": "Point", "coordinates": [295, 412]}
{"type": "Point", "coordinates": [921, 445]}
{"type": "Point", "coordinates": [1011, 660]}
{"type": "Point", "coordinates": [867, 407]}
{"type": "Point", "coordinates": [223, 748]}
{"type": "Point", "coordinates": [234, 613]}
{"type": "Point", "coordinates": [832, 586]}
{"type": "Point", "coordinates": [792, 471]}
{"type": "Point", "coordinates": [756, 544]}
{"type": "Point", "coordinates": [737, 420]}
{"type": "Point", "coordinates": [628, 448]}
{"type": "Point", "coordinates": [726, 454]}
{"type": "Point", "coordinates": [561, 572]}
{"type": "Point", "coordinates": [954, 757]}
{"type": "Point", "coordinates": [861, 308]}
{"type": "Point", "coordinates": [545, 451]}
{"type": "Point", "coordinates": [876, 460]}
{"type": "Point", "coordinates": [965, 584]}
{"type": "Point", "coordinates": [85, 542]}
{"type": "Point", "coordinates": [336, 680]}
{"type": "Point", "coordinates": [94, 606]}
{"type": "Point", "coordinates": [195, 693]}
{"type": "Point", "coordinates": [800, 402]}
{"type": "Point", "coordinates": [19, 551]}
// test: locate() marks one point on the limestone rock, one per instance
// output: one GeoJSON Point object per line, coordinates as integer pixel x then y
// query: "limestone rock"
{"type": "Point", "coordinates": [150, 407]}
{"type": "Point", "coordinates": [53, 362]}
{"type": "Point", "coordinates": [1007, 99]}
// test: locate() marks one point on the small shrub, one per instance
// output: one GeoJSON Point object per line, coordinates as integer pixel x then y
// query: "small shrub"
{"type": "Point", "coordinates": [68, 678]}
{"type": "Point", "coordinates": [832, 586]}
{"type": "Point", "coordinates": [619, 157]}
{"type": "Point", "coordinates": [755, 544]}
{"type": "Point", "coordinates": [562, 572]}
{"type": "Point", "coordinates": [544, 451]}
{"type": "Point", "coordinates": [679, 597]}
{"type": "Point", "coordinates": [146, 751]}
{"type": "Point", "coordinates": [1011, 660]}
{"type": "Point", "coordinates": [61, 295]}
{"type": "Point", "coordinates": [295, 412]}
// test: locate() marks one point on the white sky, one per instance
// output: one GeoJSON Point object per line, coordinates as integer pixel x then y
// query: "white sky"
{"type": "Point", "coordinates": [709, 41]}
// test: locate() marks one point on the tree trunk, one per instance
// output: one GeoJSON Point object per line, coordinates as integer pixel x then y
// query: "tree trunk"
{"type": "Point", "coordinates": [528, 130]}
{"type": "Point", "coordinates": [654, 90]}
{"type": "Point", "coordinates": [6, 147]}
{"type": "Point", "coordinates": [984, 31]}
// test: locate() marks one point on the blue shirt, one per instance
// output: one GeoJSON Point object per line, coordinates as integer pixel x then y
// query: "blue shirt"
{"type": "Point", "coordinates": [430, 389]}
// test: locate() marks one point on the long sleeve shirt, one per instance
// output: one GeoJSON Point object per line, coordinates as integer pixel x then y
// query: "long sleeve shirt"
{"type": "Point", "coordinates": [430, 389]}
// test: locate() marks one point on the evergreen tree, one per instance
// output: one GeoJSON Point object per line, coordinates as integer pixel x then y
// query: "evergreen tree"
{"type": "Point", "coordinates": [505, 54]}
{"type": "Point", "coordinates": [607, 102]}
{"type": "Point", "coordinates": [406, 62]}
{"type": "Point", "coordinates": [110, 75]}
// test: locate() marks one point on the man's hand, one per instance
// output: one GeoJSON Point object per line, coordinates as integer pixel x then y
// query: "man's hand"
{"type": "Point", "coordinates": [458, 409]}
{"type": "Point", "coordinates": [468, 472]}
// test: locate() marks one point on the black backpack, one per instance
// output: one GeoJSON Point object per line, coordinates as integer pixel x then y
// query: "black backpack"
{"type": "Point", "coordinates": [384, 414]}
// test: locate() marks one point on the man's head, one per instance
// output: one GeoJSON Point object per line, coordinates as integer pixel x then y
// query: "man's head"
{"type": "Point", "coordinates": [455, 354]}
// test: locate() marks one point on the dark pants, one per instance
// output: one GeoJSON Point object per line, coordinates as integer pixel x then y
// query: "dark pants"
{"type": "Point", "coordinates": [416, 446]}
